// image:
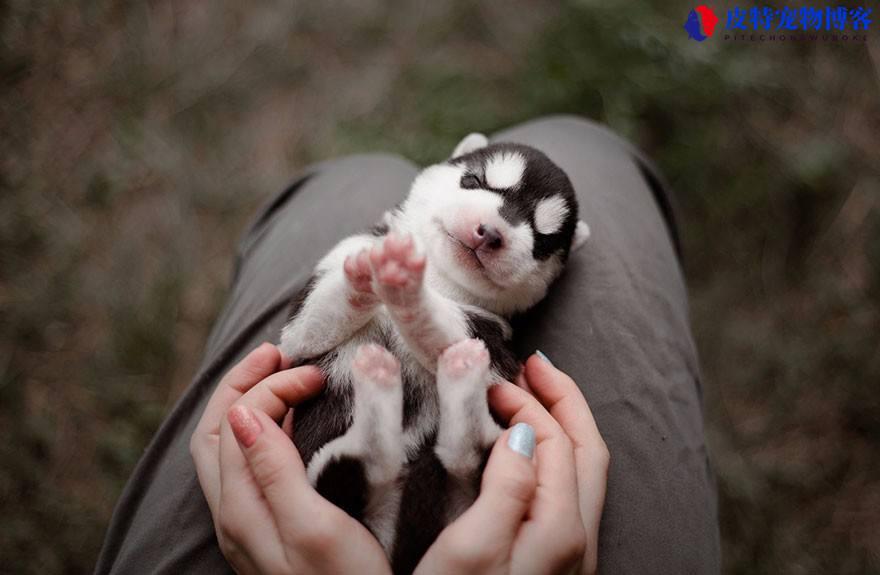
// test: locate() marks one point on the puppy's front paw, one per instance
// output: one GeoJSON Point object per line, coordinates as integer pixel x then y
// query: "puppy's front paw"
{"type": "Point", "coordinates": [359, 275]}
{"type": "Point", "coordinates": [398, 270]}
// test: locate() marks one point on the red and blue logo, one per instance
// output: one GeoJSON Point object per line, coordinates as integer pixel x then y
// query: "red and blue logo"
{"type": "Point", "coordinates": [700, 23]}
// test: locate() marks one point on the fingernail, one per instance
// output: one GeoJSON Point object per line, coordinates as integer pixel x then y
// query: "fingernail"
{"type": "Point", "coordinates": [540, 354]}
{"type": "Point", "coordinates": [244, 425]}
{"type": "Point", "coordinates": [522, 439]}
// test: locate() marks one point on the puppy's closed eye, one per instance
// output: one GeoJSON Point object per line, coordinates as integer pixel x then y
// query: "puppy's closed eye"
{"type": "Point", "coordinates": [470, 182]}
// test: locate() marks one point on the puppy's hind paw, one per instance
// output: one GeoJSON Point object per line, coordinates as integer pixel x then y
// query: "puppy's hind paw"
{"type": "Point", "coordinates": [466, 427]}
{"type": "Point", "coordinates": [378, 412]}
{"type": "Point", "coordinates": [467, 359]}
{"type": "Point", "coordinates": [376, 366]}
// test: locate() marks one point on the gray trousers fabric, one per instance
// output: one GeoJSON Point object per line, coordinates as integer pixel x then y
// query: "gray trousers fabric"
{"type": "Point", "coordinates": [617, 322]}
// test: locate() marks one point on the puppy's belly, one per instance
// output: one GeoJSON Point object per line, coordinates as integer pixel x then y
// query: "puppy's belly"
{"type": "Point", "coordinates": [424, 489]}
{"type": "Point", "coordinates": [322, 419]}
{"type": "Point", "coordinates": [347, 461]}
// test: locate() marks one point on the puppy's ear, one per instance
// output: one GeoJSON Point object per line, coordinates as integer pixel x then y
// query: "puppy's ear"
{"type": "Point", "coordinates": [470, 143]}
{"type": "Point", "coordinates": [581, 233]}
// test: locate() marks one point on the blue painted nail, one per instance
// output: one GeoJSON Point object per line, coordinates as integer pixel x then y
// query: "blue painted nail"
{"type": "Point", "coordinates": [540, 354]}
{"type": "Point", "coordinates": [522, 439]}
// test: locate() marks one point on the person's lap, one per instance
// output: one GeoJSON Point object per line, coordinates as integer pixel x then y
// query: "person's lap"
{"type": "Point", "coordinates": [616, 322]}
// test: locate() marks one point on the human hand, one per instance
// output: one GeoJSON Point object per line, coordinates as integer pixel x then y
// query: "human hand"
{"type": "Point", "coordinates": [533, 517]}
{"type": "Point", "coordinates": [560, 395]}
{"type": "Point", "coordinates": [267, 516]}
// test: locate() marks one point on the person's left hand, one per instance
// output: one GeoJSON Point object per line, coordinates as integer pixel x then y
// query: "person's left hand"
{"type": "Point", "coordinates": [267, 516]}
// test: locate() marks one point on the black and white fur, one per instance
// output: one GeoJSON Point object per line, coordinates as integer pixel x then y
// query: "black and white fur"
{"type": "Point", "coordinates": [399, 436]}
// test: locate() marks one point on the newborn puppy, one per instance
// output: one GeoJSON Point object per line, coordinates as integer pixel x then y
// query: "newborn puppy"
{"type": "Point", "coordinates": [408, 324]}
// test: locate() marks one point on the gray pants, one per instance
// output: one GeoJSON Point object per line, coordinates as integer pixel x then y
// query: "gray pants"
{"type": "Point", "coordinates": [617, 322]}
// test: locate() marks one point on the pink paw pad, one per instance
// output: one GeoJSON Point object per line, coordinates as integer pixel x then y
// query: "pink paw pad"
{"type": "Point", "coordinates": [397, 264]}
{"type": "Point", "coordinates": [463, 358]}
{"type": "Point", "coordinates": [358, 272]}
{"type": "Point", "coordinates": [376, 364]}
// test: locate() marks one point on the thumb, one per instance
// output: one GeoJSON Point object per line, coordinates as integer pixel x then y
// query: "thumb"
{"type": "Point", "coordinates": [507, 490]}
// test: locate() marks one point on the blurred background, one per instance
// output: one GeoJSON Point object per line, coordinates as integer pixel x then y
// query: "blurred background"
{"type": "Point", "coordinates": [137, 138]}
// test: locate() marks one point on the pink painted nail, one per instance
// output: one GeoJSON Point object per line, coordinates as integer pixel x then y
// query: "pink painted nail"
{"type": "Point", "coordinates": [244, 425]}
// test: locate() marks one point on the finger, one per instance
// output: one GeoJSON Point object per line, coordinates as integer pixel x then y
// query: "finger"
{"type": "Point", "coordinates": [506, 494]}
{"type": "Point", "coordinates": [520, 380]}
{"type": "Point", "coordinates": [204, 444]}
{"type": "Point", "coordinates": [256, 365]}
{"type": "Point", "coordinates": [554, 535]}
{"type": "Point", "coordinates": [276, 394]}
{"type": "Point", "coordinates": [245, 518]}
{"type": "Point", "coordinates": [276, 468]}
{"type": "Point", "coordinates": [565, 401]}
{"type": "Point", "coordinates": [513, 404]}
{"type": "Point", "coordinates": [287, 423]}
{"type": "Point", "coordinates": [263, 361]}
{"type": "Point", "coordinates": [557, 479]}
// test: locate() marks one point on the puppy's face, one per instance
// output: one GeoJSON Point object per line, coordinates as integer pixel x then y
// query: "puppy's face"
{"type": "Point", "coordinates": [498, 221]}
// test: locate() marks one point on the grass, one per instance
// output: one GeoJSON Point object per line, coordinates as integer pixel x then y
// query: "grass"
{"type": "Point", "coordinates": [137, 139]}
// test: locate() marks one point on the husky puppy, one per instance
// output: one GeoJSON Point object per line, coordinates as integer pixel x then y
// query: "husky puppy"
{"type": "Point", "coordinates": [408, 323]}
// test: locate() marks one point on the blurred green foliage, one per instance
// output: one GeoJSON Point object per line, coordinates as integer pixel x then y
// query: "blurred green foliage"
{"type": "Point", "coordinates": [137, 139]}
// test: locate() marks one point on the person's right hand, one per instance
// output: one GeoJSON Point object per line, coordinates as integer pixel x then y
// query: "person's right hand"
{"type": "Point", "coordinates": [532, 517]}
{"type": "Point", "coordinates": [560, 395]}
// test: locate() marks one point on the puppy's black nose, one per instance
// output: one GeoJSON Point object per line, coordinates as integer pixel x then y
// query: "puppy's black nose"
{"type": "Point", "coordinates": [487, 237]}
